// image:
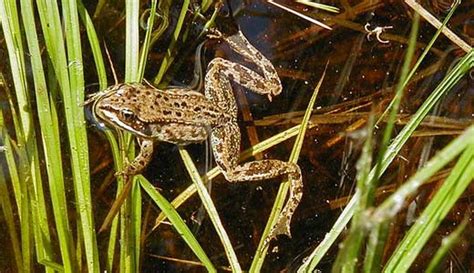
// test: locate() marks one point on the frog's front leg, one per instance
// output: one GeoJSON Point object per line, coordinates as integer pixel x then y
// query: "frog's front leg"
{"type": "Point", "coordinates": [141, 160]}
{"type": "Point", "coordinates": [225, 142]}
{"type": "Point", "coordinates": [130, 169]}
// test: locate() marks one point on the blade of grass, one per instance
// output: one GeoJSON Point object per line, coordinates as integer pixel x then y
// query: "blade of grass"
{"type": "Point", "coordinates": [21, 175]}
{"type": "Point", "coordinates": [8, 150]}
{"type": "Point", "coordinates": [346, 260]}
{"type": "Point", "coordinates": [432, 20]}
{"type": "Point", "coordinates": [211, 210]}
{"type": "Point", "coordinates": [7, 208]}
{"type": "Point", "coordinates": [94, 45]}
{"type": "Point", "coordinates": [132, 38]}
{"type": "Point", "coordinates": [446, 84]}
{"type": "Point", "coordinates": [164, 10]}
{"type": "Point", "coordinates": [177, 223]}
{"type": "Point", "coordinates": [375, 246]}
{"type": "Point", "coordinates": [446, 245]}
{"type": "Point", "coordinates": [68, 68]}
{"type": "Point", "coordinates": [129, 261]}
{"type": "Point", "coordinates": [136, 223]}
{"type": "Point", "coordinates": [30, 177]}
{"type": "Point", "coordinates": [307, 18]}
{"type": "Point", "coordinates": [49, 132]}
{"type": "Point", "coordinates": [118, 163]}
{"type": "Point", "coordinates": [319, 6]}
{"type": "Point", "coordinates": [460, 178]}
{"type": "Point", "coordinates": [262, 248]}
{"type": "Point", "coordinates": [205, 4]}
{"type": "Point", "coordinates": [147, 42]}
{"type": "Point", "coordinates": [168, 59]}
{"type": "Point", "coordinates": [79, 147]}
{"type": "Point", "coordinates": [394, 203]}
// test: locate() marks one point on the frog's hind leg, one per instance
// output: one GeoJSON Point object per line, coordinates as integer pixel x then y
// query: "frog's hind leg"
{"type": "Point", "coordinates": [225, 142]}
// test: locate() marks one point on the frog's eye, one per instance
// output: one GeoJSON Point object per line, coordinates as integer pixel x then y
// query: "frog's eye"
{"type": "Point", "coordinates": [127, 114]}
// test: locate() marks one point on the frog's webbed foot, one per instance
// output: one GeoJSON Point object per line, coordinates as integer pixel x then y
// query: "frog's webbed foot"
{"type": "Point", "coordinates": [226, 144]}
{"type": "Point", "coordinates": [282, 226]}
{"type": "Point", "coordinates": [267, 169]}
{"type": "Point", "coordinates": [214, 33]}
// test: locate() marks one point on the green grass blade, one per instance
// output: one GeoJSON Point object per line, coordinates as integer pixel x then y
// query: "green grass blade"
{"type": "Point", "coordinates": [446, 245]}
{"type": "Point", "coordinates": [99, 8]}
{"type": "Point", "coordinates": [169, 57]}
{"type": "Point", "coordinates": [13, 39]}
{"type": "Point", "coordinates": [132, 38]}
{"type": "Point", "coordinates": [177, 223]}
{"type": "Point", "coordinates": [102, 77]}
{"type": "Point", "coordinates": [459, 179]}
{"type": "Point", "coordinates": [387, 134]}
{"type": "Point", "coordinates": [319, 6]}
{"type": "Point", "coordinates": [446, 84]}
{"type": "Point", "coordinates": [262, 248]}
{"type": "Point", "coordinates": [205, 4]}
{"type": "Point", "coordinates": [128, 250]}
{"type": "Point", "coordinates": [147, 42]}
{"type": "Point", "coordinates": [22, 195]}
{"type": "Point", "coordinates": [94, 44]}
{"type": "Point", "coordinates": [29, 171]}
{"type": "Point", "coordinates": [49, 131]}
{"type": "Point", "coordinates": [164, 10]}
{"type": "Point", "coordinates": [211, 210]}
{"type": "Point", "coordinates": [99, 61]}
{"type": "Point", "coordinates": [51, 266]}
{"type": "Point", "coordinates": [346, 259]}
{"type": "Point", "coordinates": [7, 209]}
{"type": "Point", "coordinates": [79, 147]}
{"type": "Point", "coordinates": [453, 77]}
{"type": "Point", "coordinates": [113, 236]}
{"type": "Point", "coordinates": [9, 156]}
{"type": "Point", "coordinates": [136, 223]}
{"type": "Point", "coordinates": [394, 203]}
{"type": "Point", "coordinates": [68, 68]}
{"type": "Point", "coordinates": [374, 249]}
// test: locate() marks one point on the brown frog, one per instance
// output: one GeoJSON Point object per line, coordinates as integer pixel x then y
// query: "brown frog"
{"type": "Point", "coordinates": [182, 116]}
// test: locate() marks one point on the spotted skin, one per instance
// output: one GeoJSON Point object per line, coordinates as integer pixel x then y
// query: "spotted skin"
{"type": "Point", "coordinates": [183, 116]}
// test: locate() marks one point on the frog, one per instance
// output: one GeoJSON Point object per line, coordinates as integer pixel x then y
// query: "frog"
{"type": "Point", "coordinates": [182, 116]}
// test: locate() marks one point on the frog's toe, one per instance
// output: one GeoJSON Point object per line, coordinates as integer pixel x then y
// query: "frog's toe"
{"type": "Point", "coordinates": [214, 33]}
{"type": "Point", "coordinates": [281, 228]}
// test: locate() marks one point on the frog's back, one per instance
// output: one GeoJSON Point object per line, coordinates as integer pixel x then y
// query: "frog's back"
{"type": "Point", "coordinates": [179, 106]}
{"type": "Point", "coordinates": [180, 116]}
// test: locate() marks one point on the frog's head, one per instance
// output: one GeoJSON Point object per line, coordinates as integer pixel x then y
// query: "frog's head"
{"type": "Point", "coordinates": [119, 107]}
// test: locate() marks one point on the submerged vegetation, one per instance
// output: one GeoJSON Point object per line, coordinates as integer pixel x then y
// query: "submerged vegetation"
{"type": "Point", "coordinates": [377, 110]}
